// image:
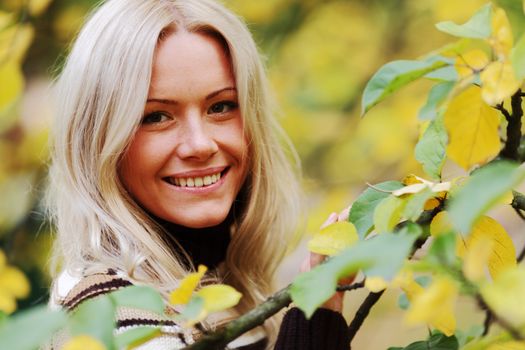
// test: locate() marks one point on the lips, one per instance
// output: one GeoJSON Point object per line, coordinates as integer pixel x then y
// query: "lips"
{"type": "Point", "coordinates": [195, 181]}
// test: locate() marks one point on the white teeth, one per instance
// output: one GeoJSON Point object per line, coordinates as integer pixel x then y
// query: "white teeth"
{"type": "Point", "coordinates": [199, 182]}
{"type": "Point", "coordinates": [195, 181]}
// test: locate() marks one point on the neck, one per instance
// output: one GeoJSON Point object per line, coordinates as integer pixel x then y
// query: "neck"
{"type": "Point", "coordinates": [206, 246]}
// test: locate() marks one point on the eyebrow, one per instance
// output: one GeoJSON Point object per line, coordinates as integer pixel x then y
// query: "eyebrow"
{"type": "Point", "coordinates": [209, 96]}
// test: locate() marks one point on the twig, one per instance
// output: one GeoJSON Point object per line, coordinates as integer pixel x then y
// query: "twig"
{"type": "Point", "coordinates": [518, 204]}
{"type": "Point", "coordinates": [520, 214]}
{"type": "Point", "coordinates": [362, 313]}
{"type": "Point", "coordinates": [250, 320]}
{"type": "Point", "coordinates": [487, 322]}
{"type": "Point", "coordinates": [518, 200]}
{"type": "Point", "coordinates": [495, 318]}
{"type": "Point", "coordinates": [503, 111]}
{"type": "Point", "coordinates": [353, 286]}
{"type": "Point", "coordinates": [510, 150]}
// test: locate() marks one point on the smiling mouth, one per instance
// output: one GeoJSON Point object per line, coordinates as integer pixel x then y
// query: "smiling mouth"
{"type": "Point", "coordinates": [197, 181]}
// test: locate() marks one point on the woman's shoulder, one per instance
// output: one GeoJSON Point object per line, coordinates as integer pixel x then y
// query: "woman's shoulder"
{"type": "Point", "coordinates": [71, 290]}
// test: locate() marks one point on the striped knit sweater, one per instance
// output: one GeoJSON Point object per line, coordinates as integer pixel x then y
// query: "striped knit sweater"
{"type": "Point", "coordinates": [73, 291]}
{"type": "Point", "coordinates": [326, 330]}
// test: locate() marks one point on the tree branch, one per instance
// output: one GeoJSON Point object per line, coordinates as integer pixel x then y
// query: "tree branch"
{"type": "Point", "coordinates": [362, 313]}
{"type": "Point", "coordinates": [518, 203]}
{"type": "Point", "coordinates": [255, 317]}
{"type": "Point", "coordinates": [510, 150]}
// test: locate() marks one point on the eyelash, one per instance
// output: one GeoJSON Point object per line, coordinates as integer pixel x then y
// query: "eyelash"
{"type": "Point", "coordinates": [147, 118]}
{"type": "Point", "coordinates": [230, 105]}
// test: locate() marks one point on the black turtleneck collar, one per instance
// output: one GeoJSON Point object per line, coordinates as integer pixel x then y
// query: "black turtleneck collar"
{"type": "Point", "coordinates": [206, 246]}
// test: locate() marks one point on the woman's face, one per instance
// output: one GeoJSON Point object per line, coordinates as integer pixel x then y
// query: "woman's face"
{"type": "Point", "coordinates": [188, 159]}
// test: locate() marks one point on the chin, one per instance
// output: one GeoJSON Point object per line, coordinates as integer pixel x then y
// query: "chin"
{"type": "Point", "coordinates": [204, 222]}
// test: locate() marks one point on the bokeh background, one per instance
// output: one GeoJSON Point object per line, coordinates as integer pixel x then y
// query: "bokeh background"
{"type": "Point", "coordinates": [319, 54]}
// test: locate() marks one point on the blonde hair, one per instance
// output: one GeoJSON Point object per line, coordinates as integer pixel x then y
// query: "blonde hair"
{"type": "Point", "coordinates": [102, 92]}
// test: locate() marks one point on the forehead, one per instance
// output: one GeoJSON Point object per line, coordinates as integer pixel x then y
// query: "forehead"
{"type": "Point", "coordinates": [194, 61]}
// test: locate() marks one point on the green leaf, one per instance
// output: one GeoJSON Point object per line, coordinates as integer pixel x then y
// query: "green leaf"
{"type": "Point", "coordinates": [388, 213]}
{"type": "Point", "coordinates": [403, 301]}
{"type": "Point", "coordinates": [28, 330]}
{"type": "Point", "coordinates": [445, 74]}
{"type": "Point", "coordinates": [96, 318]}
{"type": "Point", "coordinates": [477, 27]}
{"type": "Point", "coordinates": [517, 56]}
{"type": "Point", "coordinates": [140, 297]}
{"type": "Point", "coordinates": [193, 308]}
{"type": "Point", "coordinates": [437, 341]}
{"type": "Point", "coordinates": [135, 336]}
{"type": "Point", "coordinates": [381, 256]}
{"type": "Point", "coordinates": [443, 250]}
{"type": "Point", "coordinates": [393, 76]}
{"type": "Point", "coordinates": [416, 203]}
{"type": "Point", "coordinates": [436, 96]}
{"type": "Point", "coordinates": [431, 149]}
{"type": "Point", "coordinates": [483, 190]}
{"type": "Point", "coordinates": [466, 336]}
{"type": "Point", "coordinates": [362, 211]}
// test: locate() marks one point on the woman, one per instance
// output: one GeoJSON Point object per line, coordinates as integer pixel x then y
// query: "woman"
{"type": "Point", "coordinates": [166, 156]}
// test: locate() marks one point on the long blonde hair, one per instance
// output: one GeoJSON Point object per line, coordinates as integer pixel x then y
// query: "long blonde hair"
{"type": "Point", "coordinates": [102, 92]}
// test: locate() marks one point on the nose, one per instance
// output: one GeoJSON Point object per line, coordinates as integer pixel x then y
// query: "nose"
{"type": "Point", "coordinates": [196, 139]}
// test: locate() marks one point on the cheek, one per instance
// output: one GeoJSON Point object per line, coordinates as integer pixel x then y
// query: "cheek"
{"type": "Point", "coordinates": [139, 159]}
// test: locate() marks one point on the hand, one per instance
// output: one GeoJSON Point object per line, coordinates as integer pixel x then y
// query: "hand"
{"type": "Point", "coordinates": [335, 303]}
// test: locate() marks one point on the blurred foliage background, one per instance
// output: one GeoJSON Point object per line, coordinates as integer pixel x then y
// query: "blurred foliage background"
{"type": "Point", "coordinates": [319, 55]}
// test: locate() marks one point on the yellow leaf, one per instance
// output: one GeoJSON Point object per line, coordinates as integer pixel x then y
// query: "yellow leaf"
{"type": "Point", "coordinates": [414, 179]}
{"type": "Point", "coordinates": [503, 254]}
{"type": "Point", "coordinates": [182, 295]}
{"type": "Point", "coordinates": [435, 306]}
{"type": "Point", "coordinates": [476, 259]}
{"type": "Point", "coordinates": [334, 238]}
{"type": "Point", "coordinates": [5, 19]}
{"type": "Point", "coordinates": [7, 302]}
{"type": "Point", "coordinates": [506, 295]}
{"type": "Point", "coordinates": [440, 224]}
{"type": "Point", "coordinates": [472, 126]}
{"type": "Point", "coordinates": [36, 7]}
{"type": "Point", "coordinates": [3, 260]}
{"type": "Point", "coordinates": [471, 62]}
{"type": "Point", "coordinates": [218, 297]}
{"type": "Point", "coordinates": [501, 40]}
{"type": "Point", "coordinates": [431, 204]}
{"type": "Point", "coordinates": [388, 213]}
{"type": "Point", "coordinates": [12, 86]}
{"type": "Point", "coordinates": [509, 345]}
{"type": "Point", "coordinates": [375, 284]}
{"type": "Point", "coordinates": [498, 82]}
{"type": "Point", "coordinates": [14, 42]}
{"type": "Point", "coordinates": [83, 342]}
{"type": "Point", "coordinates": [13, 281]}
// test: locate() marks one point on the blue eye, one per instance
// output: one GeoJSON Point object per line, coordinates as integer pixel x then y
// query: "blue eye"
{"type": "Point", "coordinates": [155, 117]}
{"type": "Point", "coordinates": [222, 107]}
